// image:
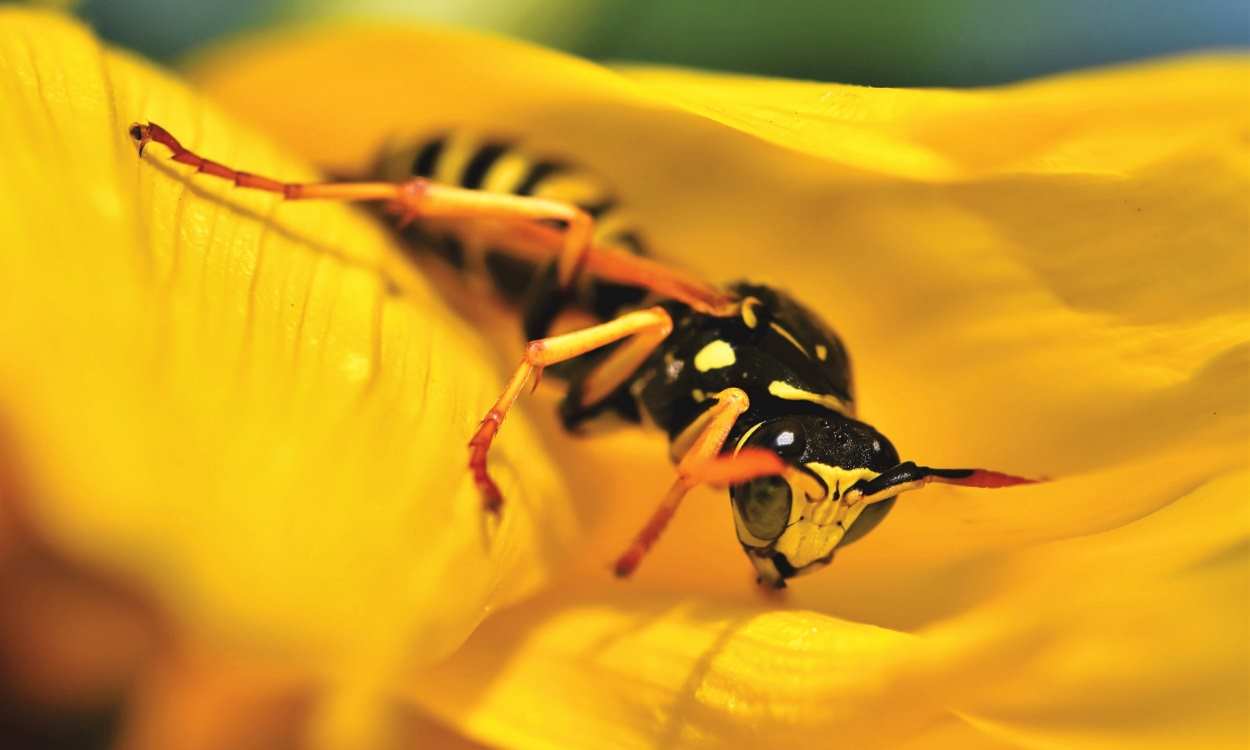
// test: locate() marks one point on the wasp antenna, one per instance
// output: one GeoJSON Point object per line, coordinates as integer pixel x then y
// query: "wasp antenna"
{"type": "Point", "coordinates": [908, 476]}
{"type": "Point", "coordinates": [978, 478]}
{"type": "Point", "coordinates": [140, 134]}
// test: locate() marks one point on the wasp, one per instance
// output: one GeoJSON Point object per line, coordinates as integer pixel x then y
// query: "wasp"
{"type": "Point", "coordinates": [753, 390]}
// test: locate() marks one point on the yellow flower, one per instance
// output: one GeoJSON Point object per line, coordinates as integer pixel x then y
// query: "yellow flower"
{"type": "Point", "coordinates": [254, 411]}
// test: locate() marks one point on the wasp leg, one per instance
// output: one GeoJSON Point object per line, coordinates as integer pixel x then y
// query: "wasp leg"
{"type": "Point", "coordinates": [649, 326]}
{"type": "Point", "coordinates": [702, 464]}
{"type": "Point", "coordinates": [608, 262]}
{"type": "Point", "coordinates": [572, 245]}
{"type": "Point", "coordinates": [412, 199]}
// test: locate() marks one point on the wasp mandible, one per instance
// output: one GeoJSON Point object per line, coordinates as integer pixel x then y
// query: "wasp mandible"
{"type": "Point", "coordinates": [753, 390]}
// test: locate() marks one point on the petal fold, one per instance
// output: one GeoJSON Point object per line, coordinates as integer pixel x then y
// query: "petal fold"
{"type": "Point", "coordinates": [254, 410]}
{"type": "Point", "coordinates": [1133, 637]}
{"type": "Point", "coordinates": [1048, 279]}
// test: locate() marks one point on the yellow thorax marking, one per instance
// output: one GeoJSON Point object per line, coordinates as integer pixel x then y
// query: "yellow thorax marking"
{"type": "Point", "coordinates": [784, 390]}
{"type": "Point", "coordinates": [748, 312]}
{"type": "Point", "coordinates": [714, 356]}
{"type": "Point", "coordinates": [788, 337]}
{"type": "Point", "coordinates": [746, 435]}
{"type": "Point", "coordinates": [822, 353]}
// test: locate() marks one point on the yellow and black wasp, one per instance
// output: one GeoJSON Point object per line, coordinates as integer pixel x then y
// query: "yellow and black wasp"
{"type": "Point", "coordinates": [753, 389]}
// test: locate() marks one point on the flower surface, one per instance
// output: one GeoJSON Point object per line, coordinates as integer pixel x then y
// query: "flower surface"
{"type": "Point", "coordinates": [251, 407]}
{"type": "Point", "coordinates": [257, 409]}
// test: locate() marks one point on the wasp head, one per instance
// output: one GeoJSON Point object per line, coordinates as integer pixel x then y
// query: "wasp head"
{"type": "Point", "coordinates": [791, 524]}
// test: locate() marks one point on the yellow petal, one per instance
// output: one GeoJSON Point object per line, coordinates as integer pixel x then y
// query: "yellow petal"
{"type": "Point", "coordinates": [249, 408]}
{"type": "Point", "coordinates": [1140, 636]}
{"type": "Point", "coordinates": [1048, 278]}
{"type": "Point", "coordinates": [666, 673]}
{"type": "Point", "coordinates": [1133, 637]}
{"type": "Point", "coordinates": [1081, 322]}
{"type": "Point", "coordinates": [1104, 122]}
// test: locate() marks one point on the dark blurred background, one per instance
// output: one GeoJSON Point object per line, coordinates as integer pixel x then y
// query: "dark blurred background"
{"type": "Point", "coordinates": [885, 43]}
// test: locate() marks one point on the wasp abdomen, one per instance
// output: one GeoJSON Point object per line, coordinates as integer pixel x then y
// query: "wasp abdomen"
{"type": "Point", "coordinates": [496, 252]}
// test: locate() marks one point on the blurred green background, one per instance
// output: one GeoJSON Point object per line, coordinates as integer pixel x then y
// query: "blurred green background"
{"type": "Point", "coordinates": [888, 42]}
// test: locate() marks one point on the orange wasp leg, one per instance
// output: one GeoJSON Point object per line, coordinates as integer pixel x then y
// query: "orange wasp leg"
{"type": "Point", "coordinates": [419, 198]}
{"type": "Point", "coordinates": [535, 242]}
{"type": "Point", "coordinates": [610, 263]}
{"type": "Point", "coordinates": [412, 199]}
{"type": "Point", "coordinates": [651, 325]}
{"type": "Point", "coordinates": [703, 464]}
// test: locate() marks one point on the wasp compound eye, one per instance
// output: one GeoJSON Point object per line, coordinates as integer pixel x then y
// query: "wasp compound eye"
{"type": "Point", "coordinates": [763, 505]}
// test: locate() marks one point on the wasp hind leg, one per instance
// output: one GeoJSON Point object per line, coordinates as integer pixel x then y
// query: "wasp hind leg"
{"type": "Point", "coordinates": [528, 218]}
{"type": "Point", "coordinates": [645, 329]}
{"type": "Point", "coordinates": [528, 221]}
{"type": "Point", "coordinates": [410, 200]}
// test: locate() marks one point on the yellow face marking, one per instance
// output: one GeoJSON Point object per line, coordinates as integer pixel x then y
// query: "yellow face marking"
{"type": "Point", "coordinates": [839, 480]}
{"type": "Point", "coordinates": [822, 353]}
{"type": "Point", "coordinates": [748, 312]}
{"type": "Point", "coordinates": [788, 337]}
{"type": "Point", "coordinates": [815, 529]}
{"type": "Point", "coordinates": [806, 541]}
{"type": "Point", "coordinates": [714, 356]}
{"type": "Point", "coordinates": [698, 395]}
{"type": "Point", "coordinates": [784, 390]}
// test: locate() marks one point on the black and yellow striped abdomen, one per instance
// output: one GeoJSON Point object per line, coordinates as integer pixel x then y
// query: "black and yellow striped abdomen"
{"type": "Point", "coordinates": [493, 165]}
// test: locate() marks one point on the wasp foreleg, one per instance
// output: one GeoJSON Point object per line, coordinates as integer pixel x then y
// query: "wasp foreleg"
{"type": "Point", "coordinates": [539, 243]}
{"type": "Point", "coordinates": [702, 464]}
{"type": "Point", "coordinates": [648, 327]}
